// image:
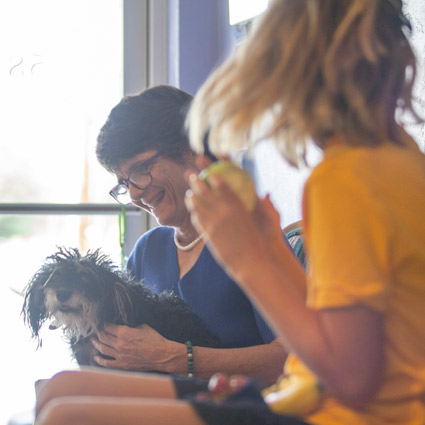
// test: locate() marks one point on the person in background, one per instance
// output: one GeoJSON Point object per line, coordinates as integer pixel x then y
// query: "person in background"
{"type": "Point", "coordinates": [339, 73]}
{"type": "Point", "coordinates": [144, 144]}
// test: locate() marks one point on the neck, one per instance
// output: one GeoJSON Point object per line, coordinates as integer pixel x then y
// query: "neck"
{"type": "Point", "coordinates": [188, 245]}
{"type": "Point", "coordinates": [186, 233]}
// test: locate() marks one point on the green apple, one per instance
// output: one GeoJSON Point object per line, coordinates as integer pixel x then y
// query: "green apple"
{"type": "Point", "coordinates": [237, 179]}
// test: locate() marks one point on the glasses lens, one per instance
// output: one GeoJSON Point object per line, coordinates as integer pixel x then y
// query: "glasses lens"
{"type": "Point", "coordinates": [140, 179]}
{"type": "Point", "coordinates": [121, 194]}
{"type": "Point", "coordinates": [121, 189]}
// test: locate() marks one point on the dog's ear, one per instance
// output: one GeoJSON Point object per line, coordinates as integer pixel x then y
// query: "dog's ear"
{"type": "Point", "coordinates": [34, 311]}
{"type": "Point", "coordinates": [120, 304]}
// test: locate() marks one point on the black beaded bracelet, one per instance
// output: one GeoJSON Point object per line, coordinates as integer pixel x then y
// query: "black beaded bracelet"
{"type": "Point", "coordinates": [189, 359]}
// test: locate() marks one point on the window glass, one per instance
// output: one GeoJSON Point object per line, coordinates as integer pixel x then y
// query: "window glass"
{"type": "Point", "coordinates": [61, 72]}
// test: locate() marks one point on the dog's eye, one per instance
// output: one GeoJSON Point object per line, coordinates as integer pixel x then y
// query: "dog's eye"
{"type": "Point", "coordinates": [63, 295]}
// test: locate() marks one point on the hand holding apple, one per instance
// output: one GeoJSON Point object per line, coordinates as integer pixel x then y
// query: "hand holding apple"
{"type": "Point", "coordinates": [236, 178]}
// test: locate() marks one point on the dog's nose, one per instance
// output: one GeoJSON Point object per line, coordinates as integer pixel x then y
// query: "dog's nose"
{"type": "Point", "coordinates": [63, 295]}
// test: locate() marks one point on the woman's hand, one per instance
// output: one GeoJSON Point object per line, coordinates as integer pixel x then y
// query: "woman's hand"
{"type": "Point", "coordinates": [139, 349]}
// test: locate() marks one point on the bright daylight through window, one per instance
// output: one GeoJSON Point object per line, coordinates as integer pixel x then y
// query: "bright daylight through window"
{"type": "Point", "coordinates": [60, 74]}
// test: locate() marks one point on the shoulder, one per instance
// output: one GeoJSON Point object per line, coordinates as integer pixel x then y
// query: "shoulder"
{"type": "Point", "coordinates": [154, 237]}
{"type": "Point", "coordinates": [366, 163]}
{"type": "Point", "coordinates": [345, 171]}
{"type": "Point", "coordinates": [148, 246]}
{"type": "Point", "coordinates": [338, 161]}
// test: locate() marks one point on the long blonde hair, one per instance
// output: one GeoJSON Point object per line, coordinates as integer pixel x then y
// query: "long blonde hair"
{"type": "Point", "coordinates": [320, 69]}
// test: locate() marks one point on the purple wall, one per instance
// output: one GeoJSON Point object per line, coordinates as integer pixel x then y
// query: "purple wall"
{"type": "Point", "coordinates": [199, 39]}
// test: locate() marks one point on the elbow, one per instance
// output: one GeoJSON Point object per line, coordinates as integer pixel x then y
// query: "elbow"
{"type": "Point", "coordinates": [355, 397]}
{"type": "Point", "coordinates": [355, 383]}
{"type": "Point", "coordinates": [275, 363]}
{"type": "Point", "coordinates": [355, 392]}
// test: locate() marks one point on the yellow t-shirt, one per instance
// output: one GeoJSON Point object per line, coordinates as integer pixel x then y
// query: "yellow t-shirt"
{"type": "Point", "coordinates": [364, 226]}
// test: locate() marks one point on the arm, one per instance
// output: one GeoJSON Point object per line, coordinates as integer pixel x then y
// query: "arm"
{"type": "Point", "coordinates": [343, 347]}
{"type": "Point", "coordinates": [143, 349]}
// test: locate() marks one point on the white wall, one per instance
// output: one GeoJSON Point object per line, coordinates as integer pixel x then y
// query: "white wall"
{"type": "Point", "coordinates": [285, 183]}
{"type": "Point", "coordinates": [415, 11]}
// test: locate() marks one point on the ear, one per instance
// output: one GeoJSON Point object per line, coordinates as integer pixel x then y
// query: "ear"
{"type": "Point", "coordinates": [34, 312]}
{"type": "Point", "coordinates": [120, 304]}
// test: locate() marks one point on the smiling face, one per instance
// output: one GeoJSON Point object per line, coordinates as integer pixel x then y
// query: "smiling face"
{"type": "Point", "coordinates": [164, 198]}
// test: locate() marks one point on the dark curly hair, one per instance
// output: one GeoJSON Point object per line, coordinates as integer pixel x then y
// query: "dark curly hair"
{"type": "Point", "coordinates": [151, 120]}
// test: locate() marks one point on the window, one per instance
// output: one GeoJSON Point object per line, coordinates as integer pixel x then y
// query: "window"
{"type": "Point", "coordinates": [64, 65]}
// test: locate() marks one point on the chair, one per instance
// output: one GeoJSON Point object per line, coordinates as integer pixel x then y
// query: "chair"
{"type": "Point", "coordinates": [294, 235]}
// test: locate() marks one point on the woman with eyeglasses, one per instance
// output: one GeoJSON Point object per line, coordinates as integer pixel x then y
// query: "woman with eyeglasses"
{"type": "Point", "coordinates": [144, 144]}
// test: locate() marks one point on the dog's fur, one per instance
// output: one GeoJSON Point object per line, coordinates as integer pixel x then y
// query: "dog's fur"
{"type": "Point", "coordinates": [82, 293]}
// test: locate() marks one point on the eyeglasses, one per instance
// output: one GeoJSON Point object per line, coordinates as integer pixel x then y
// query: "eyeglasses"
{"type": "Point", "coordinates": [140, 177]}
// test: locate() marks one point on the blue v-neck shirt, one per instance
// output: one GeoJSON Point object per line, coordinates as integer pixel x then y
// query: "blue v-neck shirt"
{"type": "Point", "coordinates": [206, 288]}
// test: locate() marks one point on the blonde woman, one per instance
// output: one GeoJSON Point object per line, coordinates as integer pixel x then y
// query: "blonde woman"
{"type": "Point", "coordinates": [336, 72]}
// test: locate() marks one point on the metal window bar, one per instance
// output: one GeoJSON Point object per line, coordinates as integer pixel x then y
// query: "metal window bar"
{"type": "Point", "coordinates": [80, 209]}
{"type": "Point", "coordinates": [138, 222]}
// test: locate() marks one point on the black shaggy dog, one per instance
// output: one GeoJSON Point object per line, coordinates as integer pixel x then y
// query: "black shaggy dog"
{"type": "Point", "coordinates": [82, 293]}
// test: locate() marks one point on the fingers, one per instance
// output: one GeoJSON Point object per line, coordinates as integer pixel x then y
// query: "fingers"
{"type": "Point", "coordinates": [265, 210]}
{"type": "Point", "coordinates": [106, 346]}
{"type": "Point", "coordinates": [106, 363]}
{"type": "Point", "coordinates": [112, 329]}
{"type": "Point", "coordinates": [202, 203]}
{"type": "Point", "coordinates": [211, 194]}
{"type": "Point", "coordinates": [198, 200]}
{"type": "Point", "coordinates": [130, 348]}
{"type": "Point", "coordinates": [105, 339]}
{"type": "Point", "coordinates": [198, 187]}
{"type": "Point", "coordinates": [202, 162]}
{"type": "Point", "coordinates": [107, 343]}
{"type": "Point", "coordinates": [105, 350]}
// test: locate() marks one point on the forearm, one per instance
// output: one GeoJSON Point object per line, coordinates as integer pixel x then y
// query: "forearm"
{"type": "Point", "coordinates": [143, 349]}
{"type": "Point", "coordinates": [341, 346]}
{"type": "Point", "coordinates": [263, 361]}
{"type": "Point", "coordinates": [284, 258]}
{"type": "Point", "coordinates": [279, 305]}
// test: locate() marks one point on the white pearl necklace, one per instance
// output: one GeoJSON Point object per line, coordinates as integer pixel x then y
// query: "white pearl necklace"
{"type": "Point", "coordinates": [189, 246]}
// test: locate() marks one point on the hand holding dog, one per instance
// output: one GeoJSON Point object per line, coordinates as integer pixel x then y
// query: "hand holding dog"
{"type": "Point", "coordinates": [141, 349]}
